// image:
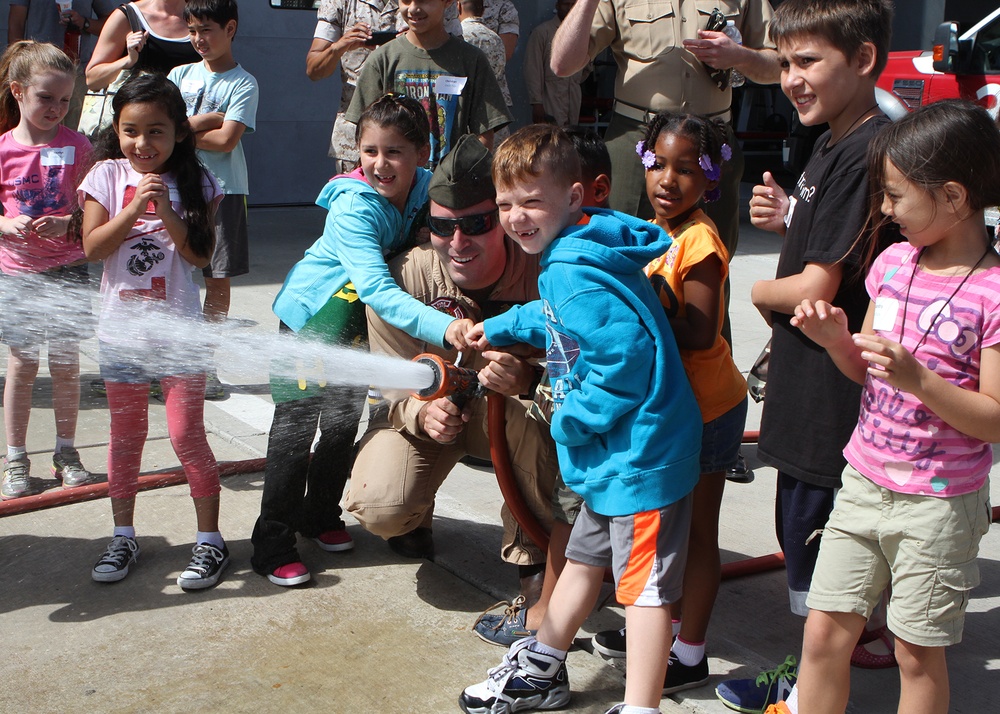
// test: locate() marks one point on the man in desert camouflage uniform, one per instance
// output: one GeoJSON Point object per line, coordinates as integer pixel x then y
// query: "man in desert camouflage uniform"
{"type": "Point", "coordinates": [498, 15]}
{"type": "Point", "coordinates": [342, 28]}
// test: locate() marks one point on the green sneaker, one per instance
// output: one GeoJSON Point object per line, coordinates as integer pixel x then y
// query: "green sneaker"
{"type": "Point", "coordinates": [15, 478]}
{"type": "Point", "coordinates": [66, 467]}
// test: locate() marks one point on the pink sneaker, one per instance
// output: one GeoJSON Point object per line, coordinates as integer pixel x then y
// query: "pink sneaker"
{"type": "Point", "coordinates": [290, 574]}
{"type": "Point", "coordinates": [335, 540]}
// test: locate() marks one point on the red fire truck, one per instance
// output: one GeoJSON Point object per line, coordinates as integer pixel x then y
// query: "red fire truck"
{"type": "Point", "coordinates": [966, 66]}
{"type": "Point", "coordinates": [963, 66]}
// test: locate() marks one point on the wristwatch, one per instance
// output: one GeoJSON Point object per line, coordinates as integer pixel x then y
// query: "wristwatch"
{"type": "Point", "coordinates": [86, 25]}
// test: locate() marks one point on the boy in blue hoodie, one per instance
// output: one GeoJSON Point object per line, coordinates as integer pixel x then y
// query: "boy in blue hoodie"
{"type": "Point", "coordinates": [626, 424]}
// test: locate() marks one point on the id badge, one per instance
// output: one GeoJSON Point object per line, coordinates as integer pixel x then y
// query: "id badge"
{"type": "Point", "coordinates": [61, 156]}
{"type": "Point", "coordinates": [886, 312]}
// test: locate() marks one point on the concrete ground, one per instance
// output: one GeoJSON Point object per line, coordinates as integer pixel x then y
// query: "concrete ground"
{"type": "Point", "coordinates": [372, 632]}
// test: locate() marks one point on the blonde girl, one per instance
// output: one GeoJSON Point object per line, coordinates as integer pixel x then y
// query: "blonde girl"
{"type": "Point", "coordinates": [41, 163]}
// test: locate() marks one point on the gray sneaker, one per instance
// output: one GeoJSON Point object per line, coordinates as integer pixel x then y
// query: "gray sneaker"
{"type": "Point", "coordinates": [15, 478]}
{"type": "Point", "coordinates": [66, 467]}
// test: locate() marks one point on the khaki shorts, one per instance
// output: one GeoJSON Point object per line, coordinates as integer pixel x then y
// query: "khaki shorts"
{"type": "Point", "coordinates": [566, 503]}
{"type": "Point", "coordinates": [924, 546]}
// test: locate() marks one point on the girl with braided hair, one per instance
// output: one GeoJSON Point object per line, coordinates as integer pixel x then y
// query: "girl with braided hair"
{"type": "Point", "coordinates": [683, 155]}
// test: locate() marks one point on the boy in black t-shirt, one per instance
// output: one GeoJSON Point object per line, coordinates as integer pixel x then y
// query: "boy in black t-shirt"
{"type": "Point", "coordinates": [831, 56]}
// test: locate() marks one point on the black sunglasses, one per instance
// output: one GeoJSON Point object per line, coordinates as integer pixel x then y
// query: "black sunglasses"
{"type": "Point", "coordinates": [474, 225]}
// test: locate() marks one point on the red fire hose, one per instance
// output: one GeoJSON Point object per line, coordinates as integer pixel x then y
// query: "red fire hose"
{"type": "Point", "coordinates": [62, 496]}
{"type": "Point", "coordinates": [496, 420]}
{"type": "Point", "coordinates": [497, 423]}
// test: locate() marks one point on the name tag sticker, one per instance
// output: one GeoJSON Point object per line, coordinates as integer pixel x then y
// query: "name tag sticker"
{"type": "Point", "coordinates": [886, 311]}
{"type": "Point", "coordinates": [62, 156]}
{"type": "Point", "coordinates": [191, 86]}
{"type": "Point", "coordinates": [448, 84]}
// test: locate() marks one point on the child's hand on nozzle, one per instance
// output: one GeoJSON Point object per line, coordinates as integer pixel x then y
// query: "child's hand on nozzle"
{"type": "Point", "coordinates": [506, 374]}
{"type": "Point", "coordinates": [821, 322]}
{"type": "Point", "coordinates": [455, 334]}
{"type": "Point", "coordinates": [476, 337]}
{"type": "Point", "coordinates": [769, 205]}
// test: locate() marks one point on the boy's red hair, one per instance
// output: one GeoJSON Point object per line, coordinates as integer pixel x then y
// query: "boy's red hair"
{"type": "Point", "coordinates": [536, 149]}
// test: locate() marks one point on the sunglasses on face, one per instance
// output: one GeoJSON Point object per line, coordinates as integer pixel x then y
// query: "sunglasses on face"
{"type": "Point", "coordinates": [474, 225]}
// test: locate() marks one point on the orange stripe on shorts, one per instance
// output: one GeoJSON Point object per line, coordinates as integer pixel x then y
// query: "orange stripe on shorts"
{"type": "Point", "coordinates": [646, 528]}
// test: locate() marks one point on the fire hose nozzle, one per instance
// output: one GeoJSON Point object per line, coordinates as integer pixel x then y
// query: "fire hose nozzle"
{"type": "Point", "coordinates": [457, 383]}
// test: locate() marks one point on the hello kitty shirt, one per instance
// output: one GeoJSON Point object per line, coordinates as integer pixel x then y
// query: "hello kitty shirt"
{"type": "Point", "coordinates": [899, 443]}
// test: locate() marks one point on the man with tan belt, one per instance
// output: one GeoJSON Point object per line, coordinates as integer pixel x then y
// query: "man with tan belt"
{"type": "Point", "coordinates": [469, 269]}
{"type": "Point", "coordinates": [666, 59]}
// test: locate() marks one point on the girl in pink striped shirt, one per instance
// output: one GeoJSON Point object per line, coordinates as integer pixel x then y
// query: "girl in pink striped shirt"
{"type": "Point", "coordinates": [915, 499]}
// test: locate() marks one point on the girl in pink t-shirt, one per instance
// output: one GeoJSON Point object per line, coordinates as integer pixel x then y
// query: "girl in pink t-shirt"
{"type": "Point", "coordinates": [43, 275]}
{"type": "Point", "coordinates": [148, 208]}
{"type": "Point", "coordinates": [915, 499]}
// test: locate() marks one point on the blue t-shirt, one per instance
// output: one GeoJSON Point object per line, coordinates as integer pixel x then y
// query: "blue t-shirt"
{"type": "Point", "coordinates": [234, 93]}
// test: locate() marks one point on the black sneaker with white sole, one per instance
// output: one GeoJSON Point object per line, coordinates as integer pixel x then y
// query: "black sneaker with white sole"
{"type": "Point", "coordinates": [122, 553]}
{"type": "Point", "coordinates": [611, 643]}
{"type": "Point", "coordinates": [205, 568]}
{"type": "Point", "coordinates": [681, 677]}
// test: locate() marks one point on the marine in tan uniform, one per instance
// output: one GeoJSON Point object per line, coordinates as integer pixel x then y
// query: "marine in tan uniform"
{"type": "Point", "coordinates": [342, 27]}
{"type": "Point", "coordinates": [665, 59]}
{"type": "Point", "coordinates": [411, 446]}
{"type": "Point", "coordinates": [552, 98]}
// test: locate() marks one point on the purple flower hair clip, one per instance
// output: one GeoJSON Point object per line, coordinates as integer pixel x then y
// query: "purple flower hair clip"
{"type": "Point", "coordinates": [647, 156]}
{"type": "Point", "coordinates": [712, 170]}
{"type": "Point", "coordinates": [712, 195]}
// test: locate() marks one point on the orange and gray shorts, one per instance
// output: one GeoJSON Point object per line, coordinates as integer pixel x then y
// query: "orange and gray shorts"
{"type": "Point", "coordinates": [646, 551]}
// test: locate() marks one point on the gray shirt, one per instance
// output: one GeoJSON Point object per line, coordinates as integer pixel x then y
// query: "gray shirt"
{"type": "Point", "coordinates": [42, 22]}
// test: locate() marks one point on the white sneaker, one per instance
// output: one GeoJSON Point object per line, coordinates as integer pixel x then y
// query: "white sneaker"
{"type": "Point", "coordinates": [525, 680]}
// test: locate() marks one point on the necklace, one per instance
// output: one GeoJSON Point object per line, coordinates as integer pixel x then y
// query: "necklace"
{"type": "Point", "coordinates": [855, 124]}
{"type": "Point", "coordinates": [906, 302]}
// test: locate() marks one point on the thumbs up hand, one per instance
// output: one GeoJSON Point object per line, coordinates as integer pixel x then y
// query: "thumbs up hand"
{"type": "Point", "coordinates": [769, 205]}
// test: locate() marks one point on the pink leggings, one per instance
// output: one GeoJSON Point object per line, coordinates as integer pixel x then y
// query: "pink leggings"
{"type": "Point", "coordinates": [128, 403]}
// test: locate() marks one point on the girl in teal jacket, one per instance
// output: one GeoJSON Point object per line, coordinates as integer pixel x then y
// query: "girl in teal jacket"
{"type": "Point", "coordinates": [374, 213]}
